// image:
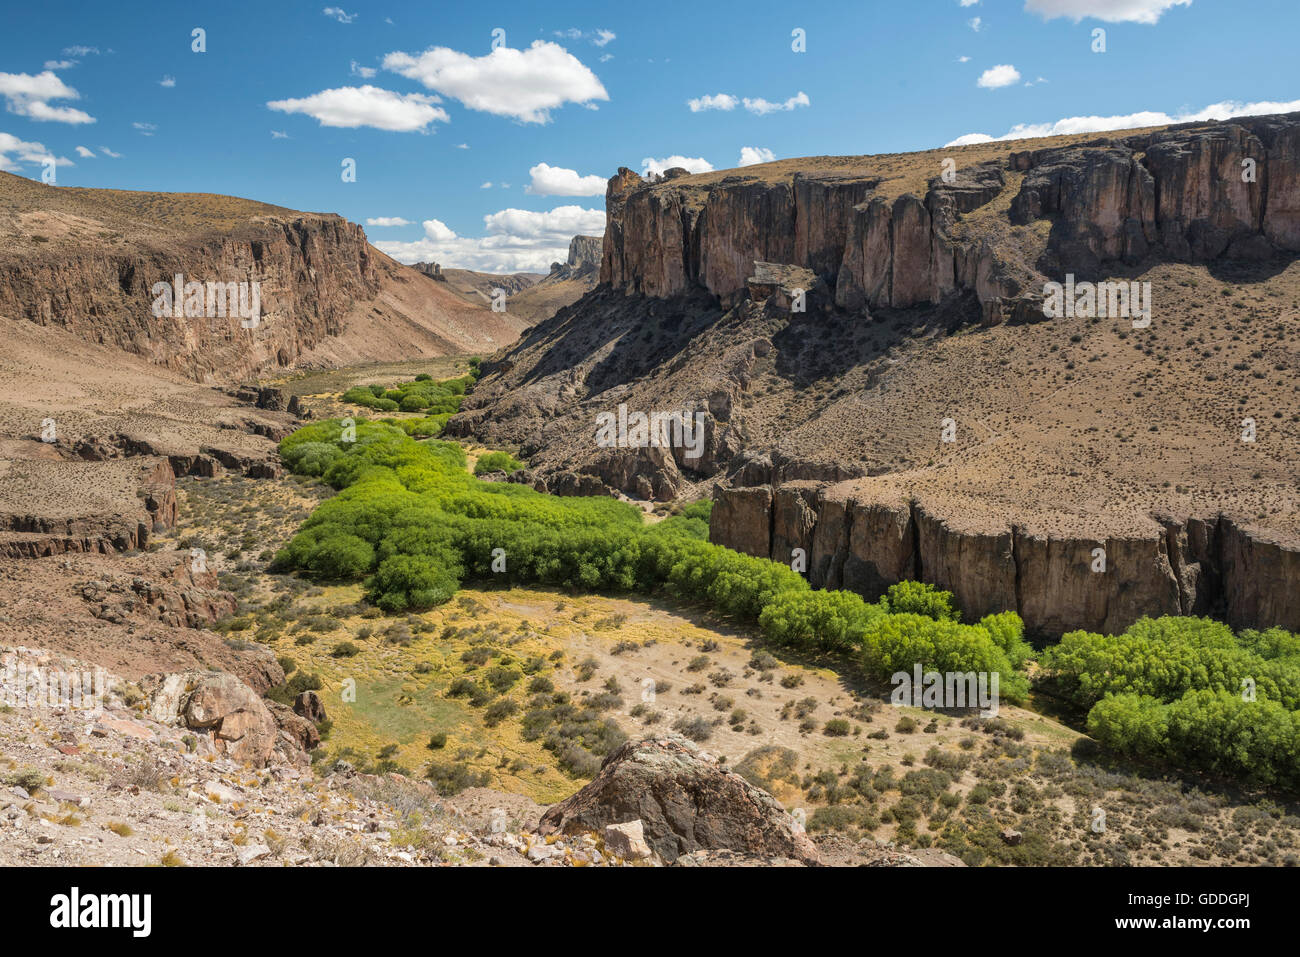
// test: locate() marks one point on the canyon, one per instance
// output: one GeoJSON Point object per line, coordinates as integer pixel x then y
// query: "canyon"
{"type": "Point", "coordinates": [922, 286]}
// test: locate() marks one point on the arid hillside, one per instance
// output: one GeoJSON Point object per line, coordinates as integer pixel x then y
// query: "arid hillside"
{"type": "Point", "coordinates": [87, 261]}
{"type": "Point", "coordinates": [922, 416]}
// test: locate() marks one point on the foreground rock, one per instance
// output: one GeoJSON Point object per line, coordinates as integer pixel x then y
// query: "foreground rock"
{"type": "Point", "coordinates": [685, 803]}
{"type": "Point", "coordinates": [239, 725]}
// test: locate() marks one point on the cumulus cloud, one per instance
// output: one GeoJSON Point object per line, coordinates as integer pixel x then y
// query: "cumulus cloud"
{"type": "Point", "coordinates": [975, 23]}
{"type": "Point", "coordinates": [523, 84]}
{"type": "Point", "coordinates": [387, 221]}
{"type": "Point", "coordinates": [1004, 74]}
{"type": "Point", "coordinates": [761, 107]}
{"type": "Point", "coordinates": [85, 153]}
{"type": "Point", "coordinates": [16, 153]}
{"type": "Point", "coordinates": [514, 240]}
{"type": "Point", "coordinates": [29, 96]}
{"type": "Point", "coordinates": [753, 155]}
{"type": "Point", "coordinates": [365, 72]}
{"type": "Point", "coordinates": [339, 14]}
{"type": "Point", "coordinates": [279, 135]}
{"type": "Point", "coordinates": [354, 106]}
{"type": "Point", "coordinates": [697, 164]}
{"type": "Point", "coordinates": [558, 181]}
{"type": "Point", "coordinates": [1130, 121]}
{"type": "Point", "coordinates": [60, 64]}
{"type": "Point", "coordinates": [108, 152]}
{"type": "Point", "coordinates": [167, 81]}
{"type": "Point", "coordinates": [713, 101]}
{"type": "Point", "coordinates": [1110, 11]}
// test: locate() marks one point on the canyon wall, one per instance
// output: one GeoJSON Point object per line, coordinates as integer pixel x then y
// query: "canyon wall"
{"type": "Point", "coordinates": [311, 269]}
{"type": "Point", "coordinates": [1193, 192]}
{"type": "Point", "coordinates": [865, 536]}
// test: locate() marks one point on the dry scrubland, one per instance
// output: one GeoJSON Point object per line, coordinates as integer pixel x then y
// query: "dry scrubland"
{"type": "Point", "coordinates": [456, 689]}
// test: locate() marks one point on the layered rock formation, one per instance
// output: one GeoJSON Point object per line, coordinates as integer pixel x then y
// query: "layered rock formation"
{"type": "Point", "coordinates": [88, 261]}
{"type": "Point", "coordinates": [1192, 192]}
{"type": "Point", "coordinates": [865, 535]}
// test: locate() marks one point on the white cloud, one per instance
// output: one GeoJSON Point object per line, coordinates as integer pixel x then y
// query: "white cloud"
{"type": "Point", "coordinates": [963, 59]}
{"type": "Point", "coordinates": [353, 106]}
{"type": "Point", "coordinates": [146, 129]}
{"type": "Point", "coordinates": [167, 81]}
{"type": "Point", "coordinates": [753, 155]}
{"type": "Point", "coordinates": [108, 152]}
{"type": "Point", "coordinates": [1131, 121]}
{"type": "Point", "coordinates": [80, 51]}
{"type": "Point", "coordinates": [1110, 11]}
{"type": "Point", "coordinates": [339, 14]}
{"type": "Point", "coordinates": [60, 64]}
{"type": "Point", "coordinates": [558, 181]}
{"type": "Point", "coordinates": [968, 3]}
{"type": "Point", "coordinates": [606, 57]}
{"type": "Point", "coordinates": [696, 164]}
{"type": "Point", "coordinates": [523, 84]}
{"type": "Point", "coordinates": [1004, 74]}
{"type": "Point", "coordinates": [85, 153]}
{"type": "Point", "coordinates": [761, 107]}
{"type": "Point", "coordinates": [975, 23]}
{"type": "Point", "coordinates": [279, 135]}
{"type": "Point", "coordinates": [713, 101]}
{"type": "Point", "coordinates": [365, 72]}
{"type": "Point", "coordinates": [462, 146]}
{"type": "Point", "coordinates": [29, 96]}
{"type": "Point", "coordinates": [515, 240]}
{"type": "Point", "coordinates": [486, 185]}
{"type": "Point", "coordinates": [387, 221]}
{"type": "Point", "coordinates": [24, 153]}
{"type": "Point", "coordinates": [597, 37]}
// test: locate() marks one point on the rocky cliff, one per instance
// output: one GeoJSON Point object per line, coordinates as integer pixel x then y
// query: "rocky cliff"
{"type": "Point", "coordinates": [865, 343]}
{"type": "Point", "coordinates": [864, 535]}
{"type": "Point", "coordinates": [88, 261]}
{"type": "Point", "coordinates": [1190, 193]}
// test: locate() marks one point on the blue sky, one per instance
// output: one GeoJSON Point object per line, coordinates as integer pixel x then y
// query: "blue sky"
{"type": "Point", "coordinates": [431, 114]}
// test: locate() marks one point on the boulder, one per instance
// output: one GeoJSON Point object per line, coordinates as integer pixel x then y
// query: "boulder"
{"type": "Point", "coordinates": [684, 802]}
{"type": "Point", "coordinates": [219, 704]}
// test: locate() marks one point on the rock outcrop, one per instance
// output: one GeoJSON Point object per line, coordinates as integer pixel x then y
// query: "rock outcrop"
{"type": "Point", "coordinates": [91, 261]}
{"type": "Point", "coordinates": [684, 801]}
{"type": "Point", "coordinates": [232, 717]}
{"type": "Point", "coordinates": [864, 538]}
{"type": "Point", "coordinates": [1179, 193]}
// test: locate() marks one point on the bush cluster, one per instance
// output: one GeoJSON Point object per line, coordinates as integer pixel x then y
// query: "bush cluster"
{"type": "Point", "coordinates": [413, 524]}
{"type": "Point", "coordinates": [1189, 692]}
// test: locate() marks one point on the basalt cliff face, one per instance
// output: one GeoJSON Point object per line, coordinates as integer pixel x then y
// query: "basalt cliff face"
{"type": "Point", "coordinates": [1188, 193]}
{"type": "Point", "coordinates": [864, 344]}
{"type": "Point", "coordinates": [88, 261]}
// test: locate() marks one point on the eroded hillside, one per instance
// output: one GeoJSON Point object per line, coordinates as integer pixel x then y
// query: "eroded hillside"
{"type": "Point", "coordinates": [87, 261]}
{"type": "Point", "coordinates": [922, 417]}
